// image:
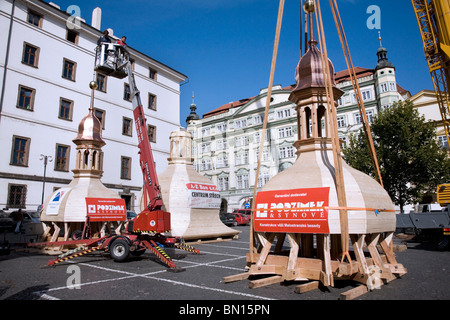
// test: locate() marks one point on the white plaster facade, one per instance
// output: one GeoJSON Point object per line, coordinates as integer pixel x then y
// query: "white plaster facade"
{"type": "Point", "coordinates": [41, 125]}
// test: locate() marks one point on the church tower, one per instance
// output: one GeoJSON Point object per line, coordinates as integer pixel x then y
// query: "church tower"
{"type": "Point", "coordinates": [385, 79]}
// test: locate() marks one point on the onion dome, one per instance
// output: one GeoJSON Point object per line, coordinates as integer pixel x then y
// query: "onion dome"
{"type": "Point", "coordinates": [309, 72]}
{"type": "Point", "coordinates": [90, 130]}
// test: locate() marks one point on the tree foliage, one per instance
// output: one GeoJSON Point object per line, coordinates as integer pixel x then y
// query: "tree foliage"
{"type": "Point", "coordinates": [412, 162]}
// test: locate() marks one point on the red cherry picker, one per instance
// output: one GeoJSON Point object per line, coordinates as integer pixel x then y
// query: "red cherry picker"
{"type": "Point", "coordinates": [147, 230]}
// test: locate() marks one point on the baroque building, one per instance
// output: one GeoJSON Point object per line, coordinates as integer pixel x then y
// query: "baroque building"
{"type": "Point", "coordinates": [227, 139]}
{"type": "Point", "coordinates": [46, 64]}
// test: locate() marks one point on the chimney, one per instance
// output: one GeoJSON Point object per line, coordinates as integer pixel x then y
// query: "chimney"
{"type": "Point", "coordinates": [97, 18]}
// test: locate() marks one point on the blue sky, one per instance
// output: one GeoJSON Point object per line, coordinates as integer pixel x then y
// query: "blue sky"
{"type": "Point", "coordinates": [225, 46]}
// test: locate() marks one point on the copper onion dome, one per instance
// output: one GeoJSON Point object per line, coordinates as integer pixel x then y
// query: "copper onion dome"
{"type": "Point", "coordinates": [90, 130]}
{"type": "Point", "coordinates": [309, 72]}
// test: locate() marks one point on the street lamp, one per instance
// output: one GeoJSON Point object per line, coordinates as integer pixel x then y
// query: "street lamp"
{"type": "Point", "coordinates": [46, 160]}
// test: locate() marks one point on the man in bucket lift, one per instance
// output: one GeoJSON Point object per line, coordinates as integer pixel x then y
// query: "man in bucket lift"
{"type": "Point", "coordinates": [104, 38]}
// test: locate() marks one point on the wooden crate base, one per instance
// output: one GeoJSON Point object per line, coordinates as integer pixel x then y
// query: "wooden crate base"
{"type": "Point", "coordinates": [367, 266]}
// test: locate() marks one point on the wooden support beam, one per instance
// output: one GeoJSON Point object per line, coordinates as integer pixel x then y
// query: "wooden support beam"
{"type": "Point", "coordinates": [236, 277]}
{"type": "Point", "coordinates": [266, 248]}
{"type": "Point", "coordinates": [327, 270]}
{"type": "Point", "coordinates": [294, 240]}
{"type": "Point", "coordinates": [265, 282]}
{"type": "Point", "coordinates": [306, 287]}
{"type": "Point", "coordinates": [354, 293]}
{"type": "Point", "coordinates": [266, 269]}
{"type": "Point", "coordinates": [358, 243]}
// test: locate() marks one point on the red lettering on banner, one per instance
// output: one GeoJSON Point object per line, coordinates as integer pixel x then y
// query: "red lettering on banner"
{"type": "Point", "coordinates": [292, 211]}
{"type": "Point", "coordinates": [99, 210]}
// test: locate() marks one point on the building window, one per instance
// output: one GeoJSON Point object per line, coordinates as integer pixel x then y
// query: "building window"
{"type": "Point", "coordinates": [34, 19]}
{"type": "Point", "coordinates": [358, 119]}
{"type": "Point", "coordinates": [72, 36]}
{"type": "Point", "coordinates": [100, 115]}
{"type": "Point", "coordinates": [285, 132]}
{"type": "Point", "coordinates": [126, 92]}
{"type": "Point", "coordinates": [265, 154]}
{"type": "Point", "coordinates": [101, 82]}
{"type": "Point", "coordinates": [392, 86]}
{"type": "Point", "coordinates": [152, 101]}
{"type": "Point", "coordinates": [286, 152]}
{"type": "Point", "coordinates": [205, 165]}
{"type": "Point", "coordinates": [443, 142]}
{"type": "Point", "coordinates": [222, 127]}
{"type": "Point", "coordinates": [20, 151]}
{"type": "Point", "coordinates": [153, 74]}
{"type": "Point", "coordinates": [258, 136]}
{"type": "Point", "coordinates": [222, 183]}
{"type": "Point", "coordinates": [258, 119]}
{"type": "Point", "coordinates": [30, 55]}
{"type": "Point", "coordinates": [221, 144]}
{"type": "Point", "coordinates": [341, 122]}
{"type": "Point", "coordinates": [206, 131]}
{"type": "Point", "coordinates": [127, 127]}
{"type": "Point", "coordinates": [62, 158]}
{"type": "Point", "coordinates": [383, 87]}
{"type": "Point", "coordinates": [65, 109]}
{"type": "Point", "coordinates": [242, 181]}
{"type": "Point", "coordinates": [17, 195]}
{"type": "Point", "coordinates": [241, 158]}
{"type": "Point", "coordinates": [69, 69]}
{"type": "Point", "coordinates": [125, 168]}
{"type": "Point", "coordinates": [151, 133]}
{"type": "Point", "coordinates": [222, 161]}
{"type": "Point", "coordinates": [367, 95]}
{"type": "Point", "coordinates": [242, 123]}
{"type": "Point", "coordinates": [263, 179]}
{"type": "Point", "coordinates": [26, 98]}
{"type": "Point", "coordinates": [281, 114]}
{"type": "Point", "coordinates": [206, 147]}
{"type": "Point", "coordinates": [241, 141]}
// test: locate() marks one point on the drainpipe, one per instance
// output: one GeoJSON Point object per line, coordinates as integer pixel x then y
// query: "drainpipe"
{"type": "Point", "coordinates": [7, 57]}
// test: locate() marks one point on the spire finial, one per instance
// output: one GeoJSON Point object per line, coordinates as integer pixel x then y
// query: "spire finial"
{"type": "Point", "coordinates": [379, 39]}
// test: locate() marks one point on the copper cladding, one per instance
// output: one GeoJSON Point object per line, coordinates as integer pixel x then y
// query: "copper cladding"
{"type": "Point", "coordinates": [90, 129]}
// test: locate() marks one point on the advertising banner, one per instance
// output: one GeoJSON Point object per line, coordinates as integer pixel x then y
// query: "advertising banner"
{"type": "Point", "coordinates": [106, 209]}
{"type": "Point", "coordinates": [203, 196]}
{"type": "Point", "coordinates": [292, 211]}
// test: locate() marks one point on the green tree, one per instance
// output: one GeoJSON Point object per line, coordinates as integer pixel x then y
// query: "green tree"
{"type": "Point", "coordinates": [412, 162]}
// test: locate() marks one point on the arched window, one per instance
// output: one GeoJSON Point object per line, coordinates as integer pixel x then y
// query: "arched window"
{"type": "Point", "coordinates": [321, 123]}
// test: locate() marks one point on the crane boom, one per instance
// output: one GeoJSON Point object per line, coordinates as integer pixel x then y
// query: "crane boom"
{"type": "Point", "coordinates": [114, 60]}
{"type": "Point", "coordinates": [433, 18]}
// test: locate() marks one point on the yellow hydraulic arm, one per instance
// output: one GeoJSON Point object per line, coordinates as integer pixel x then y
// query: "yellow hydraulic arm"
{"type": "Point", "coordinates": [433, 17]}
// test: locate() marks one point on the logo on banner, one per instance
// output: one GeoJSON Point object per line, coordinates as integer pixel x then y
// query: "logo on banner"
{"type": "Point", "coordinates": [292, 211]}
{"type": "Point", "coordinates": [106, 209]}
{"type": "Point", "coordinates": [55, 202]}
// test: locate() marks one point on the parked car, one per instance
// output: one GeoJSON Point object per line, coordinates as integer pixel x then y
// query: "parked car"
{"type": "Point", "coordinates": [131, 215]}
{"type": "Point", "coordinates": [228, 219]}
{"type": "Point", "coordinates": [247, 212]}
{"type": "Point", "coordinates": [241, 219]}
{"type": "Point", "coordinates": [6, 222]}
{"type": "Point", "coordinates": [28, 216]}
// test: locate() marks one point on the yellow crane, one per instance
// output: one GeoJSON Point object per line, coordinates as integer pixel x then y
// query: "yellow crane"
{"type": "Point", "coordinates": [433, 17]}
